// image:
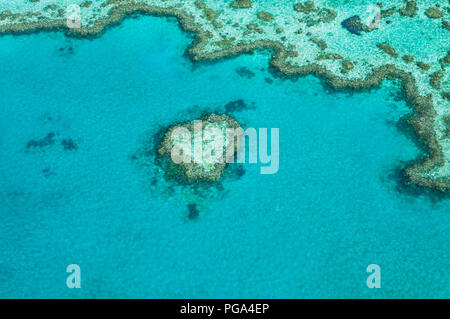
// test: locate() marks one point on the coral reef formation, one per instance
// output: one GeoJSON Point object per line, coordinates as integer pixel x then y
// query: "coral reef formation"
{"type": "Point", "coordinates": [203, 150]}
{"type": "Point", "coordinates": [292, 32]}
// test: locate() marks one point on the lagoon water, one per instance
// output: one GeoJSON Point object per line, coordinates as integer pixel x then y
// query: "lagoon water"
{"type": "Point", "coordinates": [310, 230]}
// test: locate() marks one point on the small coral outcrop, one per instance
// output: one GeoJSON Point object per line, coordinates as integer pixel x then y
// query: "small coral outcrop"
{"type": "Point", "coordinates": [434, 13]}
{"type": "Point", "coordinates": [354, 25]}
{"type": "Point", "coordinates": [388, 49]}
{"type": "Point", "coordinates": [241, 4]}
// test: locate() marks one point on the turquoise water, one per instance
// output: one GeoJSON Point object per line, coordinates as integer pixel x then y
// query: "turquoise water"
{"type": "Point", "coordinates": [308, 231]}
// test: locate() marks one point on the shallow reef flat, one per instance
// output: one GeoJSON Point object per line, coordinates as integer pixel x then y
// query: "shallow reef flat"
{"type": "Point", "coordinates": [404, 40]}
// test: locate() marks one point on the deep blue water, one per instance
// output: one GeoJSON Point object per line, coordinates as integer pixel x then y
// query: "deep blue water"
{"type": "Point", "coordinates": [308, 231]}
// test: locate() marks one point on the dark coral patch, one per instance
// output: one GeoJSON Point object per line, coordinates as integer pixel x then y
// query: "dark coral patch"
{"type": "Point", "coordinates": [235, 172]}
{"type": "Point", "coordinates": [245, 72]}
{"type": "Point", "coordinates": [193, 211]}
{"type": "Point", "coordinates": [66, 51]}
{"type": "Point", "coordinates": [353, 25]}
{"type": "Point", "coordinates": [237, 106]}
{"type": "Point", "coordinates": [47, 172]}
{"type": "Point", "coordinates": [410, 10]}
{"type": "Point", "coordinates": [69, 144]}
{"type": "Point", "coordinates": [46, 141]}
{"type": "Point", "coordinates": [241, 4]}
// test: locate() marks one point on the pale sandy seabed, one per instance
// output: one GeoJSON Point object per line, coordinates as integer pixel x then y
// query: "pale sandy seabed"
{"type": "Point", "coordinates": [305, 40]}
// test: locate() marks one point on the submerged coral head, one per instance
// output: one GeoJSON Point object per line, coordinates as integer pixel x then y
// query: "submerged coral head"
{"type": "Point", "coordinates": [353, 25]}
